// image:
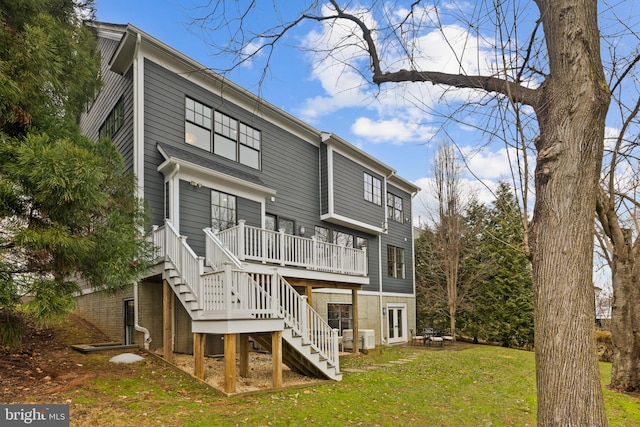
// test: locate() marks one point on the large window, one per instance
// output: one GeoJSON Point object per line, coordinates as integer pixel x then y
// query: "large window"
{"type": "Point", "coordinates": [395, 262]}
{"type": "Point", "coordinates": [197, 125]}
{"type": "Point", "coordinates": [394, 207]}
{"type": "Point", "coordinates": [321, 233]}
{"type": "Point", "coordinates": [231, 139]}
{"type": "Point", "coordinates": [340, 316]}
{"type": "Point", "coordinates": [113, 122]}
{"type": "Point", "coordinates": [343, 239]}
{"type": "Point", "coordinates": [223, 210]}
{"type": "Point", "coordinates": [236, 141]}
{"type": "Point", "coordinates": [372, 189]}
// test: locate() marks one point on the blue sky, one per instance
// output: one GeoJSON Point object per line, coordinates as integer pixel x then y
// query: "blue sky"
{"type": "Point", "coordinates": [385, 124]}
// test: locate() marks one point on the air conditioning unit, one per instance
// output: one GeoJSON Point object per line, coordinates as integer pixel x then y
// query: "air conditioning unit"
{"type": "Point", "coordinates": [367, 339]}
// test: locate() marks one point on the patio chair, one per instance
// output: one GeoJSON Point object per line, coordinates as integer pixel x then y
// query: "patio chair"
{"type": "Point", "coordinates": [436, 338]}
{"type": "Point", "coordinates": [449, 336]}
{"type": "Point", "coordinates": [416, 338]}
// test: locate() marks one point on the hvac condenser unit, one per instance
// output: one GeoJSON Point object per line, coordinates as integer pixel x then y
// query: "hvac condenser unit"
{"type": "Point", "coordinates": [367, 339]}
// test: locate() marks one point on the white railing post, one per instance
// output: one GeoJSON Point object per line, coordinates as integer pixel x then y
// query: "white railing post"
{"type": "Point", "coordinates": [241, 240]}
{"type": "Point", "coordinates": [365, 264]}
{"type": "Point", "coordinates": [275, 293]}
{"type": "Point", "coordinates": [281, 251]}
{"type": "Point", "coordinates": [198, 279]}
{"type": "Point", "coordinates": [304, 320]}
{"type": "Point", "coordinates": [227, 289]}
{"type": "Point", "coordinates": [183, 240]}
{"type": "Point", "coordinates": [314, 251]}
{"type": "Point", "coordinates": [334, 347]}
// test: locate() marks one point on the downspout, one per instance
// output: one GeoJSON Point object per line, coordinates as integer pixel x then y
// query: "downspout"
{"type": "Point", "coordinates": [136, 84]}
{"type": "Point", "coordinates": [382, 322]}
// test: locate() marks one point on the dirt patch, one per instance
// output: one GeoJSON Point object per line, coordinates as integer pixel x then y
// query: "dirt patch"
{"type": "Point", "coordinates": [45, 364]}
{"type": "Point", "coordinates": [259, 378]}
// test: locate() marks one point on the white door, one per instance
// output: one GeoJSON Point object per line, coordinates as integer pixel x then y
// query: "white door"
{"type": "Point", "coordinates": [396, 323]}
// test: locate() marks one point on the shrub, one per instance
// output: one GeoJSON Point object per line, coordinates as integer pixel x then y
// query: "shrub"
{"type": "Point", "coordinates": [605, 346]}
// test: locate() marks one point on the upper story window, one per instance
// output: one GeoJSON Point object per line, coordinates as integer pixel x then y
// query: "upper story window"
{"type": "Point", "coordinates": [372, 189]}
{"type": "Point", "coordinates": [395, 262]}
{"type": "Point", "coordinates": [232, 139]}
{"type": "Point", "coordinates": [394, 207]}
{"type": "Point", "coordinates": [223, 210]}
{"type": "Point", "coordinates": [236, 141]}
{"type": "Point", "coordinates": [197, 125]}
{"type": "Point", "coordinates": [113, 122]}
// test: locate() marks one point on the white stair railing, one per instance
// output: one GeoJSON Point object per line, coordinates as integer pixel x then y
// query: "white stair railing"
{"type": "Point", "coordinates": [173, 247]}
{"type": "Point", "coordinates": [233, 292]}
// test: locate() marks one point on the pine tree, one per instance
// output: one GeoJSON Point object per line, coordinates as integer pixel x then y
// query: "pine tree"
{"type": "Point", "coordinates": [68, 213]}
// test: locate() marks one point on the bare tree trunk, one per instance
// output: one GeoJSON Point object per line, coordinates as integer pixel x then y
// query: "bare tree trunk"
{"type": "Point", "coordinates": [625, 316]}
{"type": "Point", "coordinates": [571, 117]}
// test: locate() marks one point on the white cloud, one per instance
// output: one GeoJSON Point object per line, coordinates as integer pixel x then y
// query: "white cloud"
{"type": "Point", "coordinates": [392, 130]}
{"type": "Point", "coordinates": [397, 113]}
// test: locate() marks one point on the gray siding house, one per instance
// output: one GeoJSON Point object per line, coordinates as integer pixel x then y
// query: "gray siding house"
{"type": "Point", "coordinates": [267, 229]}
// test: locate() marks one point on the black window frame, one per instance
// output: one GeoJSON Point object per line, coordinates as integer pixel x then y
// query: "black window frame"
{"type": "Point", "coordinates": [113, 122]}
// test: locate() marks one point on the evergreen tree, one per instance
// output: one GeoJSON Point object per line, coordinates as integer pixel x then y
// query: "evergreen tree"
{"type": "Point", "coordinates": [68, 213]}
{"type": "Point", "coordinates": [505, 301]}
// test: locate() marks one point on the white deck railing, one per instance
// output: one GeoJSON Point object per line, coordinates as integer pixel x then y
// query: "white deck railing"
{"type": "Point", "coordinates": [231, 292]}
{"type": "Point", "coordinates": [173, 247]}
{"type": "Point", "coordinates": [250, 243]}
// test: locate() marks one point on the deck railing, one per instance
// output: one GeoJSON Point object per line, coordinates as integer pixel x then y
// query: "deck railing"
{"type": "Point", "coordinates": [231, 292]}
{"type": "Point", "coordinates": [257, 244]}
{"type": "Point", "coordinates": [173, 247]}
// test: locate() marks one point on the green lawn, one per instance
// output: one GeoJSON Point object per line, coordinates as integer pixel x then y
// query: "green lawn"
{"type": "Point", "coordinates": [480, 386]}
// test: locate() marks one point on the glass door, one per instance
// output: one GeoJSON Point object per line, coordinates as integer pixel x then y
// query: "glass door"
{"type": "Point", "coordinates": [396, 323]}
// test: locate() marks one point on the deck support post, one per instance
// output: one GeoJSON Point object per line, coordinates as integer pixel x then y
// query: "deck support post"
{"type": "Point", "coordinates": [167, 329]}
{"type": "Point", "coordinates": [230, 363]}
{"type": "Point", "coordinates": [198, 355]}
{"type": "Point", "coordinates": [244, 355]}
{"type": "Point", "coordinates": [356, 332]}
{"type": "Point", "coordinates": [276, 355]}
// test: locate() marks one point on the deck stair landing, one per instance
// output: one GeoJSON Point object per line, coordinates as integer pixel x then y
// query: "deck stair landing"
{"type": "Point", "coordinates": [222, 295]}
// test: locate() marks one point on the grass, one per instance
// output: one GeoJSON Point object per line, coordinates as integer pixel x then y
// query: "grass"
{"type": "Point", "coordinates": [480, 386]}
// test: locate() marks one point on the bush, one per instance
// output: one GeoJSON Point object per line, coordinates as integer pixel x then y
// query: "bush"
{"type": "Point", "coordinates": [605, 346]}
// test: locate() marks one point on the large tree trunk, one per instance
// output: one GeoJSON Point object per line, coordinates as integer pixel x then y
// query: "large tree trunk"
{"type": "Point", "coordinates": [571, 116]}
{"type": "Point", "coordinates": [625, 316]}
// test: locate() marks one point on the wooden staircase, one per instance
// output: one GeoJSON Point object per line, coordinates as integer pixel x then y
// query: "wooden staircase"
{"type": "Point", "coordinates": [222, 294]}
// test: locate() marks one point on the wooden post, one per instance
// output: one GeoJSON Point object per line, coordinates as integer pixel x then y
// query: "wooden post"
{"type": "Point", "coordinates": [198, 355]}
{"type": "Point", "coordinates": [167, 335]}
{"type": "Point", "coordinates": [276, 355]}
{"type": "Point", "coordinates": [244, 355]}
{"type": "Point", "coordinates": [356, 333]}
{"type": "Point", "coordinates": [309, 293]}
{"type": "Point", "coordinates": [230, 363]}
